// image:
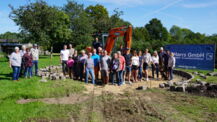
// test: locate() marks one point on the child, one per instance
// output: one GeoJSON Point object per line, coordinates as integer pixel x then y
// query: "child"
{"type": "Point", "coordinates": [70, 64]}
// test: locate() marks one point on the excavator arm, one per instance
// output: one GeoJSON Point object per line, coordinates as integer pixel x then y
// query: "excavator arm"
{"type": "Point", "coordinates": [126, 32]}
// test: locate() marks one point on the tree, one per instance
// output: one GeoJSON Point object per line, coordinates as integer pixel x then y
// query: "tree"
{"type": "Point", "coordinates": [43, 24]}
{"type": "Point", "coordinates": [156, 30]}
{"type": "Point", "coordinates": [99, 16]}
{"type": "Point", "coordinates": [140, 38]}
{"type": "Point", "coordinates": [10, 35]}
{"type": "Point", "coordinates": [116, 21]}
{"type": "Point", "coordinates": [80, 24]}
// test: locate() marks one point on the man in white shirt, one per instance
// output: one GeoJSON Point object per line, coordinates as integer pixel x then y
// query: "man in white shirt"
{"type": "Point", "coordinates": [35, 56]}
{"type": "Point", "coordinates": [64, 56]}
{"type": "Point", "coordinates": [147, 61]}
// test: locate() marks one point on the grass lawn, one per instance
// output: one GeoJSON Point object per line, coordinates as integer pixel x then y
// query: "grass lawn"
{"type": "Point", "coordinates": [150, 105]}
{"type": "Point", "coordinates": [210, 79]}
{"type": "Point", "coordinates": [11, 91]}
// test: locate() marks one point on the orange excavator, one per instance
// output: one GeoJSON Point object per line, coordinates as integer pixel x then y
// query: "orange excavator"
{"type": "Point", "coordinates": [114, 33]}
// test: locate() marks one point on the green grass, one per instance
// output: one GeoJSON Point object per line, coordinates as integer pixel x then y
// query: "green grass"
{"type": "Point", "coordinates": [197, 108]}
{"type": "Point", "coordinates": [11, 91]}
{"type": "Point", "coordinates": [210, 79]}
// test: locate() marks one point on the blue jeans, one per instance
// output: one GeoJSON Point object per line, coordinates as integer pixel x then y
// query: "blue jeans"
{"type": "Point", "coordinates": [64, 67]}
{"type": "Point", "coordinates": [113, 74]}
{"type": "Point", "coordinates": [120, 77]}
{"type": "Point", "coordinates": [35, 64]}
{"type": "Point", "coordinates": [170, 69]}
{"type": "Point", "coordinates": [91, 72]}
{"type": "Point", "coordinates": [16, 72]}
{"type": "Point", "coordinates": [140, 72]}
{"type": "Point", "coordinates": [28, 71]}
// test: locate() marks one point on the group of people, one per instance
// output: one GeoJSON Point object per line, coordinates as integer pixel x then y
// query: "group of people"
{"type": "Point", "coordinates": [22, 62]}
{"type": "Point", "coordinates": [122, 66]}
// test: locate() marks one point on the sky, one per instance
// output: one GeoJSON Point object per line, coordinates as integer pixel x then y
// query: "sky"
{"type": "Point", "coordinates": [197, 15]}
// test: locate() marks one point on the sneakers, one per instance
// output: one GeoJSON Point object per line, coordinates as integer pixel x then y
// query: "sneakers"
{"type": "Point", "coordinates": [123, 83]}
{"type": "Point", "coordinates": [147, 79]}
{"type": "Point", "coordinates": [130, 82]}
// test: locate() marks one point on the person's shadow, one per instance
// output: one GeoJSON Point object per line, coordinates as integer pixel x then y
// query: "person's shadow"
{"type": "Point", "coordinates": [5, 76]}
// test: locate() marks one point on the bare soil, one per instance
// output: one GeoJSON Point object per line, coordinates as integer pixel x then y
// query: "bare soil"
{"type": "Point", "coordinates": [115, 89]}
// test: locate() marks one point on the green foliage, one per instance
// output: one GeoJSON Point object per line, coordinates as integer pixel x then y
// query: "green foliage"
{"type": "Point", "coordinates": [10, 35]}
{"type": "Point", "coordinates": [44, 24]}
{"type": "Point", "coordinates": [156, 30]}
{"type": "Point", "coordinates": [80, 24]}
{"type": "Point", "coordinates": [99, 16]}
{"type": "Point", "coordinates": [116, 21]}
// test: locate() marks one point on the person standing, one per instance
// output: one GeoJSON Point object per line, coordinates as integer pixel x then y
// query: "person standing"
{"type": "Point", "coordinates": [76, 66]}
{"type": "Point", "coordinates": [161, 62]}
{"type": "Point", "coordinates": [89, 68]}
{"type": "Point", "coordinates": [114, 68]}
{"type": "Point", "coordinates": [22, 52]}
{"type": "Point", "coordinates": [64, 56]}
{"type": "Point", "coordinates": [165, 62]}
{"type": "Point", "coordinates": [97, 44]}
{"type": "Point", "coordinates": [104, 67]}
{"type": "Point", "coordinates": [96, 60]}
{"type": "Point", "coordinates": [171, 65]}
{"type": "Point", "coordinates": [28, 63]}
{"type": "Point", "coordinates": [71, 50]}
{"type": "Point", "coordinates": [147, 61]}
{"type": "Point", "coordinates": [15, 63]}
{"type": "Point", "coordinates": [128, 68]}
{"type": "Point", "coordinates": [35, 57]}
{"type": "Point", "coordinates": [122, 67]}
{"type": "Point", "coordinates": [140, 66]}
{"type": "Point", "coordinates": [135, 66]}
{"type": "Point", "coordinates": [70, 65]}
{"type": "Point", "coordinates": [155, 64]}
{"type": "Point", "coordinates": [81, 62]}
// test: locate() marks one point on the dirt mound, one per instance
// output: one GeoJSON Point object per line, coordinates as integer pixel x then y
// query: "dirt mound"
{"type": "Point", "coordinates": [209, 90]}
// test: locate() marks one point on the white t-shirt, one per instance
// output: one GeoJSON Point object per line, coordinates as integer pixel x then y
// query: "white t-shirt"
{"type": "Point", "coordinates": [155, 59]}
{"type": "Point", "coordinates": [135, 60]}
{"type": "Point", "coordinates": [64, 55]}
{"type": "Point", "coordinates": [15, 59]}
{"type": "Point", "coordinates": [147, 58]}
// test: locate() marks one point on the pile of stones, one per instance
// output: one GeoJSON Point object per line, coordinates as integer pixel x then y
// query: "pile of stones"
{"type": "Point", "coordinates": [51, 73]}
{"type": "Point", "coordinates": [199, 87]}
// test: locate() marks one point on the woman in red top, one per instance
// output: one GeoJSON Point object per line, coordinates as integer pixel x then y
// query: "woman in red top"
{"type": "Point", "coordinates": [27, 57]}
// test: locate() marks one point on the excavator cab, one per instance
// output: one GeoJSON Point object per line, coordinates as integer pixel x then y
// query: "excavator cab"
{"type": "Point", "coordinates": [114, 33]}
{"type": "Point", "coordinates": [109, 40]}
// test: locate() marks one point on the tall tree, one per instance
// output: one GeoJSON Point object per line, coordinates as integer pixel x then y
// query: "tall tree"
{"type": "Point", "coordinates": [156, 30]}
{"type": "Point", "coordinates": [100, 17]}
{"type": "Point", "coordinates": [116, 21]}
{"type": "Point", "coordinates": [44, 24]}
{"type": "Point", "coordinates": [80, 24]}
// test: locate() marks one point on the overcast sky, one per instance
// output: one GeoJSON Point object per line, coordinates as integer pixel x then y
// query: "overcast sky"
{"type": "Point", "coordinates": [197, 15]}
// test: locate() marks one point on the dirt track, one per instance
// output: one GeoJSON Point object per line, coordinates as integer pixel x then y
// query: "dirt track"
{"type": "Point", "coordinates": [124, 104]}
{"type": "Point", "coordinates": [97, 90]}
